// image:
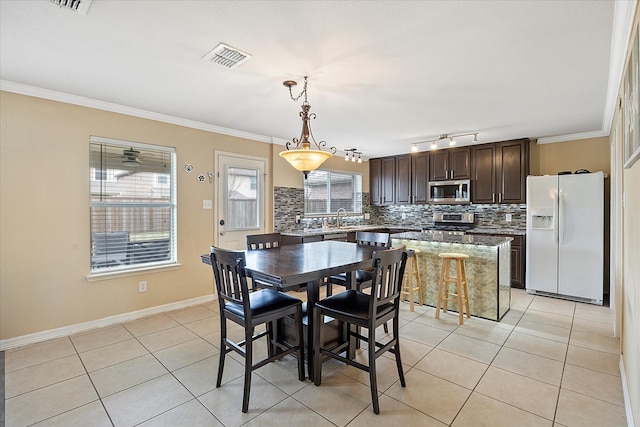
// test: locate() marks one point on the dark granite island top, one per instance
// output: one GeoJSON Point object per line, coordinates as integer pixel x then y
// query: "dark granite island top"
{"type": "Point", "coordinates": [488, 268]}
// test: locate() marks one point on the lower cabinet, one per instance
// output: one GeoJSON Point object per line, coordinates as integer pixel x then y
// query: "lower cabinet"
{"type": "Point", "coordinates": [518, 263]}
{"type": "Point", "coordinates": [518, 258]}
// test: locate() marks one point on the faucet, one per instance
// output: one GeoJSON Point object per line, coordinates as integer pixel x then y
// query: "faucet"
{"type": "Point", "coordinates": [338, 216]}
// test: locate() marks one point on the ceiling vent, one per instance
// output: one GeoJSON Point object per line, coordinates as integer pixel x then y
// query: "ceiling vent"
{"type": "Point", "coordinates": [227, 56]}
{"type": "Point", "coordinates": [80, 6]}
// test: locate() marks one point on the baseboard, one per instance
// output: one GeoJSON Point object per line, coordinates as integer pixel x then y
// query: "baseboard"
{"type": "Point", "coordinates": [100, 323]}
{"type": "Point", "coordinates": [625, 392]}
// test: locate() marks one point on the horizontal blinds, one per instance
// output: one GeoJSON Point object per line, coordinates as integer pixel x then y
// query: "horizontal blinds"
{"type": "Point", "coordinates": [327, 191]}
{"type": "Point", "coordinates": [132, 206]}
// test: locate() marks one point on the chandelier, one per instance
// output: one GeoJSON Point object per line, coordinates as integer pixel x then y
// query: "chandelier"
{"type": "Point", "coordinates": [300, 153]}
{"type": "Point", "coordinates": [444, 136]}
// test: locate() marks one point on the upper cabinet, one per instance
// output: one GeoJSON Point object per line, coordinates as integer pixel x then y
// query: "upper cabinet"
{"type": "Point", "coordinates": [403, 179]}
{"type": "Point", "coordinates": [382, 181]}
{"type": "Point", "coordinates": [412, 178]}
{"type": "Point", "coordinates": [499, 172]}
{"type": "Point", "coordinates": [450, 164]}
{"type": "Point", "coordinates": [420, 177]}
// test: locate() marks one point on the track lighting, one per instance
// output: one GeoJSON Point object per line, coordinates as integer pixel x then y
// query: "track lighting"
{"type": "Point", "coordinates": [350, 155]}
{"type": "Point", "coordinates": [451, 137]}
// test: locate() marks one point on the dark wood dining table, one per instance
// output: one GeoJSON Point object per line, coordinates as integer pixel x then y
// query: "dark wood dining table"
{"type": "Point", "coordinates": [291, 266]}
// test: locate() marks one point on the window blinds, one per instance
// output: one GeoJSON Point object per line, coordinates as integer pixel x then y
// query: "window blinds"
{"type": "Point", "coordinates": [132, 205]}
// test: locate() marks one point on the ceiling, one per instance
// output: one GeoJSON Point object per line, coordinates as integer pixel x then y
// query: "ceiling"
{"type": "Point", "coordinates": [382, 74]}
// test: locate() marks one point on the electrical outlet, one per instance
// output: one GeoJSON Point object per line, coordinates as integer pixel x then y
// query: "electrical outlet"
{"type": "Point", "coordinates": [508, 218]}
{"type": "Point", "coordinates": [367, 216]}
{"type": "Point", "coordinates": [206, 204]}
{"type": "Point", "coordinates": [404, 215]}
{"type": "Point", "coordinates": [142, 286]}
{"type": "Point", "coordinates": [297, 219]}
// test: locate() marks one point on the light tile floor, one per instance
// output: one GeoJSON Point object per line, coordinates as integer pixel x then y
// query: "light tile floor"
{"type": "Point", "coordinates": [549, 362]}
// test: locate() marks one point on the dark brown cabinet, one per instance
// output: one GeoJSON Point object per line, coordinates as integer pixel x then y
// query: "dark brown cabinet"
{"type": "Point", "coordinates": [453, 163]}
{"type": "Point", "coordinates": [499, 172]}
{"type": "Point", "coordinates": [420, 177]}
{"type": "Point", "coordinates": [403, 180]}
{"type": "Point", "coordinates": [382, 181]}
{"type": "Point", "coordinates": [518, 263]}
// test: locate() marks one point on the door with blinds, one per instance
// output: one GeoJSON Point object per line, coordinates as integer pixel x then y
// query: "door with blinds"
{"type": "Point", "coordinates": [240, 199]}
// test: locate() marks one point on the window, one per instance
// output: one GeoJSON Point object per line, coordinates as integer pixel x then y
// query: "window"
{"type": "Point", "coordinates": [132, 205]}
{"type": "Point", "coordinates": [242, 199]}
{"type": "Point", "coordinates": [325, 192]}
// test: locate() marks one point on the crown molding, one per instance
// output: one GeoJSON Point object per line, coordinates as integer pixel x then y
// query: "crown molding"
{"type": "Point", "coordinates": [572, 137]}
{"type": "Point", "coordinates": [52, 95]}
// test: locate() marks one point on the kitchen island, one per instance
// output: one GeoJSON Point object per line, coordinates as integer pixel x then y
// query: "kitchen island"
{"type": "Point", "coordinates": [488, 268]}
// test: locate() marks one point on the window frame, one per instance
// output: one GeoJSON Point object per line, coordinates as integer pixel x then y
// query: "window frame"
{"type": "Point", "coordinates": [355, 198]}
{"type": "Point", "coordinates": [96, 270]}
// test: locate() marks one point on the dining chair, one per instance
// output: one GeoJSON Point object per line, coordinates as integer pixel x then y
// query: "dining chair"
{"type": "Point", "coordinates": [249, 310]}
{"type": "Point", "coordinates": [259, 242]}
{"type": "Point", "coordinates": [263, 241]}
{"type": "Point", "coordinates": [369, 311]}
{"type": "Point", "coordinates": [363, 277]}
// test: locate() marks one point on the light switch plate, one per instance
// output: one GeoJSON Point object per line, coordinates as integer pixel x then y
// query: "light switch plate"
{"type": "Point", "coordinates": [508, 218]}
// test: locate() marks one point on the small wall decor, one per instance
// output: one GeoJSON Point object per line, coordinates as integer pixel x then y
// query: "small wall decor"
{"type": "Point", "coordinates": [202, 178]}
{"type": "Point", "coordinates": [188, 168]}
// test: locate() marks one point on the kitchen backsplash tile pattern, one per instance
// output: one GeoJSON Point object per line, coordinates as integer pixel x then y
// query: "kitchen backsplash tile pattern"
{"type": "Point", "coordinates": [289, 202]}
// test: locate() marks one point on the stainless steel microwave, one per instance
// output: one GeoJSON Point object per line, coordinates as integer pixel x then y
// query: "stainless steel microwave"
{"type": "Point", "coordinates": [450, 192]}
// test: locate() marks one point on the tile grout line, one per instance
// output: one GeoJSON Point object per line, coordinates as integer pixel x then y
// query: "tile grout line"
{"type": "Point", "coordinates": [489, 366]}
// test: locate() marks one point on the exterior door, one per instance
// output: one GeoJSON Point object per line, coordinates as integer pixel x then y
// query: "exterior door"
{"type": "Point", "coordinates": [240, 199]}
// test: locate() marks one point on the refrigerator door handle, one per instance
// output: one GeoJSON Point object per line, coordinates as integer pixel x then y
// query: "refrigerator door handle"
{"type": "Point", "coordinates": [555, 218]}
{"type": "Point", "coordinates": [560, 217]}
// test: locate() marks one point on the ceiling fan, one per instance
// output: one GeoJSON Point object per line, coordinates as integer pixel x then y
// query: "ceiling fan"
{"type": "Point", "coordinates": [131, 157]}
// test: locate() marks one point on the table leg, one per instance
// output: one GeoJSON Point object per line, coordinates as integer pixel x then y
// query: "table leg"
{"type": "Point", "coordinates": [313, 295]}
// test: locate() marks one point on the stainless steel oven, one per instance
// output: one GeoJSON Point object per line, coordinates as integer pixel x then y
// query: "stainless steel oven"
{"type": "Point", "coordinates": [450, 192]}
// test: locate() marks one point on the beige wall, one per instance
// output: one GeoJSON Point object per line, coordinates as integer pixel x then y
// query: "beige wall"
{"type": "Point", "coordinates": [44, 213]}
{"type": "Point", "coordinates": [591, 154]}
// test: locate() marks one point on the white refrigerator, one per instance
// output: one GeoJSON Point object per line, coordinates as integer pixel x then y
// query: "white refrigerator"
{"type": "Point", "coordinates": [565, 236]}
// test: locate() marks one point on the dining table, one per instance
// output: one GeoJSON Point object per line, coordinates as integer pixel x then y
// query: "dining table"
{"type": "Point", "coordinates": [290, 267]}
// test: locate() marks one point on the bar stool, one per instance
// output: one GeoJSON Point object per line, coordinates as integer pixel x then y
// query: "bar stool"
{"type": "Point", "coordinates": [460, 279]}
{"type": "Point", "coordinates": [411, 273]}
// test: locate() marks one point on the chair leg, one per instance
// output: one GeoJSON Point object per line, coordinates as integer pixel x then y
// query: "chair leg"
{"type": "Point", "coordinates": [317, 356]}
{"type": "Point", "coordinates": [300, 352]}
{"type": "Point", "coordinates": [248, 363]}
{"type": "Point", "coordinates": [396, 335]}
{"type": "Point", "coordinates": [223, 351]}
{"type": "Point", "coordinates": [440, 289]}
{"type": "Point", "coordinates": [373, 380]}
{"type": "Point", "coordinates": [466, 289]}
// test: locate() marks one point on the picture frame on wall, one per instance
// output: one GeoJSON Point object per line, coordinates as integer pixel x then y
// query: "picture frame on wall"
{"type": "Point", "coordinates": [631, 95]}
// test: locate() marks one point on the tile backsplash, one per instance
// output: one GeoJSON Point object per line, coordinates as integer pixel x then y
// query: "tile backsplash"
{"type": "Point", "coordinates": [289, 202]}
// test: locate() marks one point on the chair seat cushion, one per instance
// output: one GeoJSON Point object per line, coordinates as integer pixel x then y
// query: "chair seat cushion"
{"type": "Point", "coordinates": [263, 302]}
{"type": "Point", "coordinates": [361, 277]}
{"type": "Point", "coordinates": [351, 303]}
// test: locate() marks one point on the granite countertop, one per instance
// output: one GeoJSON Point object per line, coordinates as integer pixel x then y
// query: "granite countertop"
{"type": "Point", "coordinates": [333, 230]}
{"type": "Point", "coordinates": [466, 239]}
{"type": "Point", "coordinates": [498, 230]}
